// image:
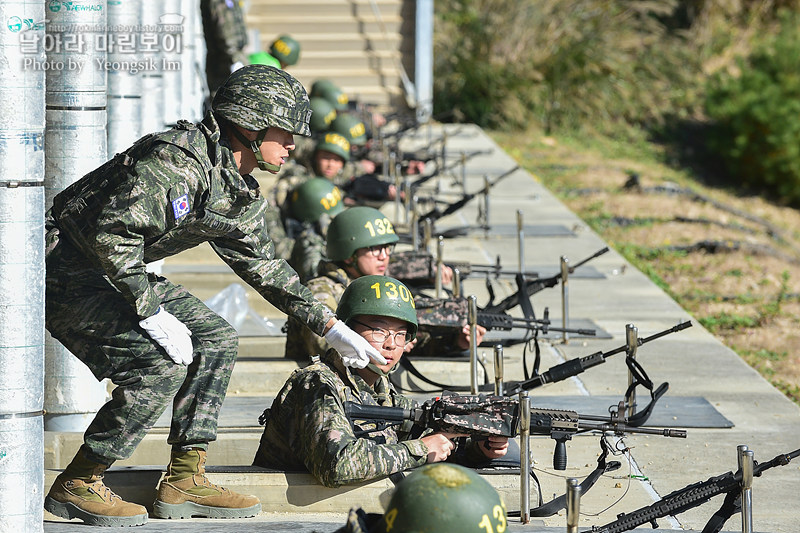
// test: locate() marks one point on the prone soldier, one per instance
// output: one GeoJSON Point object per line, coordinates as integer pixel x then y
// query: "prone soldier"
{"type": "Point", "coordinates": [307, 426]}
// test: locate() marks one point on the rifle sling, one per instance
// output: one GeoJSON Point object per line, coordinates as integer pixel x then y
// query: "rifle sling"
{"type": "Point", "coordinates": [731, 506]}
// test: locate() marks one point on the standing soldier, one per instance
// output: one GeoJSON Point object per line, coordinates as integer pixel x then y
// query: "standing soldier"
{"type": "Point", "coordinates": [156, 342]}
{"type": "Point", "coordinates": [226, 36]}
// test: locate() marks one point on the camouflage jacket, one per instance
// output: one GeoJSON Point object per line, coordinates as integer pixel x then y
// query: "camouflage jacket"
{"type": "Point", "coordinates": [167, 193]}
{"type": "Point", "coordinates": [359, 522]}
{"type": "Point", "coordinates": [328, 288]}
{"type": "Point", "coordinates": [307, 428]}
{"type": "Point", "coordinates": [226, 37]}
{"type": "Point", "coordinates": [308, 251]}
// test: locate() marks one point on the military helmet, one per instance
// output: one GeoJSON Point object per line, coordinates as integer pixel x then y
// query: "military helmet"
{"type": "Point", "coordinates": [322, 114]}
{"type": "Point", "coordinates": [380, 296]}
{"type": "Point", "coordinates": [351, 127]}
{"type": "Point", "coordinates": [263, 58]}
{"type": "Point", "coordinates": [257, 97]}
{"type": "Point", "coordinates": [335, 144]}
{"type": "Point", "coordinates": [309, 200]}
{"type": "Point", "coordinates": [331, 92]}
{"type": "Point", "coordinates": [358, 227]}
{"type": "Point", "coordinates": [286, 49]}
{"type": "Point", "coordinates": [445, 498]}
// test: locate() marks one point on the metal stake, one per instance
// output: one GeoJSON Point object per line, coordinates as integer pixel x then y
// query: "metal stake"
{"type": "Point", "coordinates": [573, 504]}
{"type": "Point", "coordinates": [632, 339]}
{"type": "Point", "coordinates": [524, 458]}
{"type": "Point", "coordinates": [498, 370]}
{"type": "Point", "coordinates": [564, 297]}
{"type": "Point", "coordinates": [520, 242]}
{"type": "Point", "coordinates": [745, 457]}
{"type": "Point", "coordinates": [483, 217]}
{"type": "Point", "coordinates": [427, 229]}
{"type": "Point", "coordinates": [439, 265]}
{"type": "Point", "coordinates": [414, 226]}
{"type": "Point", "coordinates": [473, 344]}
{"type": "Point", "coordinates": [464, 171]}
{"type": "Point", "coordinates": [407, 189]}
{"type": "Point", "coordinates": [456, 283]}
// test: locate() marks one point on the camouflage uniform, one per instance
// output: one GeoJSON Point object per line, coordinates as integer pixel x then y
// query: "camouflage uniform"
{"type": "Point", "coordinates": [308, 251]}
{"type": "Point", "coordinates": [306, 428]}
{"type": "Point", "coordinates": [225, 36]}
{"type": "Point", "coordinates": [167, 193]}
{"type": "Point", "coordinates": [328, 288]}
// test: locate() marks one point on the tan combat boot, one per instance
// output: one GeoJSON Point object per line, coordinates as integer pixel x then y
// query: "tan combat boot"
{"type": "Point", "coordinates": [185, 492]}
{"type": "Point", "coordinates": [79, 492]}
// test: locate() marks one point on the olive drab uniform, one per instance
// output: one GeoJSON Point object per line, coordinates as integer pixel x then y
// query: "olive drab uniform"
{"type": "Point", "coordinates": [306, 427]}
{"type": "Point", "coordinates": [167, 193]}
{"type": "Point", "coordinates": [226, 37]}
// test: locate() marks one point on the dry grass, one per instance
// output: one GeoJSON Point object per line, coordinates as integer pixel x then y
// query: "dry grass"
{"type": "Point", "coordinates": [748, 297]}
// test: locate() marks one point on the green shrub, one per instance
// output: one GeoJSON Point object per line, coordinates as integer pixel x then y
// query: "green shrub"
{"type": "Point", "coordinates": [756, 111]}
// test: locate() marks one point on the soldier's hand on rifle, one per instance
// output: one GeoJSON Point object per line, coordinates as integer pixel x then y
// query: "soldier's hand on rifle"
{"type": "Point", "coordinates": [463, 337]}
{"type": "Point", "coordinates": [415, 167]}
{"type": "Point", "coordinates": [447, 274]}
{"type": "Point", "coordinates": [410, 345]}
{"type": "Point", "coordinates": [440, 446]}
{"type": "Point", "coordinates": [494, 447]}
{"type": "Point", "coordinates": [368, 166]}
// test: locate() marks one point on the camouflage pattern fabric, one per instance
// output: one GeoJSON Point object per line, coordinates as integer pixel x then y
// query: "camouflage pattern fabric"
{"type": "Point", "coordinates": [307, 429]}
{"type": "Point", "coordinates": [327, 288]}
{"type": "Point", "coordinates": [487, 415]}
{"type": "Point", "coordinates": [412, 265]}
{"type": "Point", "coordinates": [150, 202]}
{"type": "Point", "coordinates": [359, 522]}
{"type": "Point", "coordinates": [308, 251]}
{"type": "Point", "coordinates": [225, 35]}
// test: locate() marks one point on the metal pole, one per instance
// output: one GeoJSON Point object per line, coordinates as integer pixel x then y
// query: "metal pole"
{"type": "Point", "coordinates": [152, 80]}
{"type": "Point", "coordinates": [565, 297]}
{"type": "Point", "coordinates": [632, 339]}
{"type": "Point", "coordinates": [170, 39]}
{"type": "Point", "coordinates": [423, 60]}
{"type": "Point", "coordinates": [520, 242]}
{"type": "Point", "coordinates": [524, 458]}
{"type": "Point", "coordinates": [484, 219]}
{"type": "Point", "coordinates": [124, 86]}
{"type": "Point", "coordinates": [464, 171]}
{"type": "Point", "coordinates": [473, 345]}
{"type": "Point", "coordinates": [573, 504]}
{"type": "Point", "coordinates": [407, 189]}
{"type": "Point", "coordinates": [75, 144]}
{"type": "Point", "coordinates": [499, 388]}
{"type": "Point", "coordinates": [22, 206]}
{"type": "Point", "coordinates": [415, 228]}
{"type": "Point", "coordinates": [745, 458]}
{"type": "Point", "coordinates": [439, 266]}
{"type": "Point", "coordinates": [456, 283]}
{"type": "Point", "coordinates": [426, 233]}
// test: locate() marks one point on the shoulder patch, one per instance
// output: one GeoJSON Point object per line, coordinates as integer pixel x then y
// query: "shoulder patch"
{"type": "Point", "coordinates": [180, 206]}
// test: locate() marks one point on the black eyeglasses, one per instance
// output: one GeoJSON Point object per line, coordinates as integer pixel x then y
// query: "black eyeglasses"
{"type": "Point", "coordinates": [379, 248]}
{"type": "Point", "coordinates": [379, 335]}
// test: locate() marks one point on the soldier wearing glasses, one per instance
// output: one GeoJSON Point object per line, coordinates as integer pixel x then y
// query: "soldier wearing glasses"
{"type": "Point", "coordinates": [306, 427]}
{"type": "Point", "coordinates": [359, 243]}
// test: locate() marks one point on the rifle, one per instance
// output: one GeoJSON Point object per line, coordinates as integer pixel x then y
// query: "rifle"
{"type": "Point", "coordinates": [576, 366]}
{"type": "Point", "coordinates": [450, 313]}
{"type": "Point", "coordinates": [527, 288]}
{"type": "Point", "coordinates": [415, 266]}
{"type": "Point", "coordinates": [485, 415]}
{"type": "Point", "coordinates": [693, 496]}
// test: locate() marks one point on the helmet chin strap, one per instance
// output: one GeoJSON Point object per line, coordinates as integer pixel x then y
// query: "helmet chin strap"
{"type": "Point", "coordinates": [255, 146]}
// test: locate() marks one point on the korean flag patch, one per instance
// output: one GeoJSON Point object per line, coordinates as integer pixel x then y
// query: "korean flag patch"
{"type": "Point", "coordinates": [181, 206]}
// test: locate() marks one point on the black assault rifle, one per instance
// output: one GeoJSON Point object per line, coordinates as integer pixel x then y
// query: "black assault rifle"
{"type": "Point", "coordinates": [528, 287]}
{"type": "Point", "coordinates": [573, 367]}
{"type": "Point", "coordinates": [418, 266]}
{"type": "Point", "coordinates": [484, 416]}
{"type": "Point", "coordinates": [693, 496]}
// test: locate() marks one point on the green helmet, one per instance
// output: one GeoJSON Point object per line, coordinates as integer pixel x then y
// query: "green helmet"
{"type": "Point", "coordinates": [257, 97]}
{"type": "Point", "coordinates": [322, 114]}
{"type": "Point", "coordinates": [351, 127]}
{"type": "Point", "coordinates": [286, 49]}
{"type": "Point", "coordinates": [380, 296]}
{"type": "Point", "coordinates": [335, 144]}
{"type": "Point", "coordinates": [308, 201]}
{"type": "Point", "coordinates": [443, 498]}
{"type": "Point", "coordinates": [331, 92]}
{"type": "Point", "coordinates": [263, 58]}
{"type": "Point", "coordinates": [358, 227]}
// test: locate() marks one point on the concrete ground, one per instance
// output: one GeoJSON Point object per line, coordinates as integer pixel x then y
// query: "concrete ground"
{"type": "Point", "coordinates": [718, 398]}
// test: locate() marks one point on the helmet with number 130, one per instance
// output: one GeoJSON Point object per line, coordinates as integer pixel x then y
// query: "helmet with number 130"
{"type": "Point", "coordinates": [378, 296]}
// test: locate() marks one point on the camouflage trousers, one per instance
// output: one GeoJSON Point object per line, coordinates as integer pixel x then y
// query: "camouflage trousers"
{"type": "Point", "coordinates": [86, 313]}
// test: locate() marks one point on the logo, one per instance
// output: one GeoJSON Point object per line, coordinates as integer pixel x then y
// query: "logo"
{"type": "Point", "coordinates": [14, 24]}
{"type": "Point", "coordinates": [54, 6]}
{"type": "Point", "coordinates": [181, 206]}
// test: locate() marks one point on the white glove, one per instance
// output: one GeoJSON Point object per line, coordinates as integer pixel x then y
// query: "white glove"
{"type": "Point", "coordinates": [236, 66]}
{"type": "Point", "coordinates": [356, 352]}
{"type": "Point", "coordinates": [171, 334]}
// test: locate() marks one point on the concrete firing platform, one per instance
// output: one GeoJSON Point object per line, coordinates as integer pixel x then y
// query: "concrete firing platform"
{"type": "Point", "coordinates": [693, 361]}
